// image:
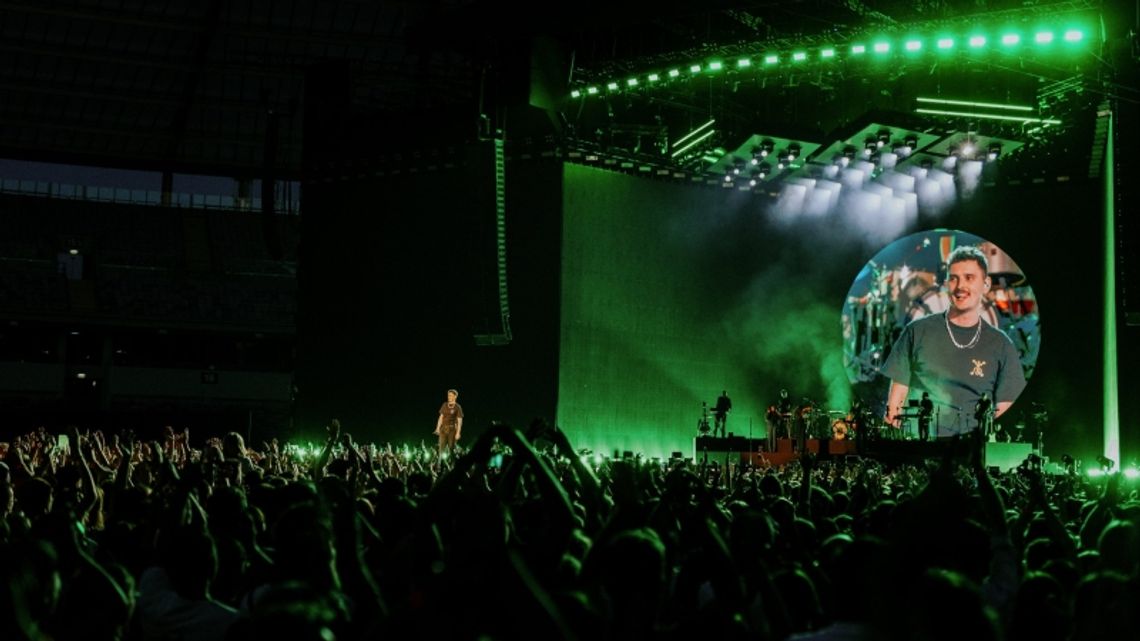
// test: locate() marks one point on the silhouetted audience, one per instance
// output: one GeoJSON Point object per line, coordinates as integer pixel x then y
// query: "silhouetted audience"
{"type": "Point", "coordinates": [523, 537]}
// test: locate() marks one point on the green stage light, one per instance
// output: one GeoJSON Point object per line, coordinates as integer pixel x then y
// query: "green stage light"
{"type": "Point", "coordinates": [1043, 37]}
{"type": "Point", "coordinates": [575, 94]}
{"type": "Point", "coordinates": [696, 141]}
{"type": "Point", "coordinates": [1010, 39]}
{"type": "Point", "coordinates": [975, 104]}
{"type": "Point", "coordinates": [743, 62]}
{"type": "Point", "coordinates": [715, 66]}
{"type": "Point", "coordinates": [771, 59]}
{"type": "Point", "coordinates": [632, 82]}
{"type": "Point", "coordinates": [858, 49]}
{"type": "Point", "coordinates": [985, 116]}
{"type": "Point", "coordinates": [1074, 35]}
{"type": "Point", "coordinates": [695, 68]}
{"type": "Point", "coordinates": [913, 45]}
{"type": "Point", "coordinates": [1095, 472]}
{"type": "Point", "coordinates": [694, 132]}
{"type": "Point", "coordinates": [945, 43]}
{"type": "Point", "coordinates": [612, 86]}
{"type": "Point", "coordinates": [1132, 473]}
{"type": "Point", "coordinates": [882, 47]}
{"type": "Point", "coordinates": [592, 90]}
{"type": "Point", "coordinates": [654, 77]}
{"type": "Point", "coordinates": [977, 41]}
{"type": "Point", "coordinates": [827, 53]}
{"type": "Point", "coordinates": [673, 73]}
{"type": "Point", "coordinates": [1111, 386]}
{"type": "Point", "coordinates": [799, 56]}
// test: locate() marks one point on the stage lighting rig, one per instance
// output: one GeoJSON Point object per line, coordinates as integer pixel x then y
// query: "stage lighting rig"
{"type": "Point", "coordinates": [768, 156]}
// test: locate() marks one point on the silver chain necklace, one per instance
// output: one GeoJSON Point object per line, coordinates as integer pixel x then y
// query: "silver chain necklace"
{"type": "Point", "coordinates": [974, 341]}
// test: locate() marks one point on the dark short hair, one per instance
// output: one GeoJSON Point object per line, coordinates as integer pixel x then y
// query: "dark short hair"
{"type": "Point", "coordinates": [969, 252]}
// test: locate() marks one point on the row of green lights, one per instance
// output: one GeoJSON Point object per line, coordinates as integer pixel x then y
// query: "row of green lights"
{"type": "Point", "coordinates": [912, 45]}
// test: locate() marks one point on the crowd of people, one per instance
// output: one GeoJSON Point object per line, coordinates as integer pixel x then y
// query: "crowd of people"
{"type": "Point", "coordinates": [521, 536]}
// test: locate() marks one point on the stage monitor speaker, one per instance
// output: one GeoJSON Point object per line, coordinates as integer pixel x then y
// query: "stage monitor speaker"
{"type": "Point", "coordinates": [1007, 456]}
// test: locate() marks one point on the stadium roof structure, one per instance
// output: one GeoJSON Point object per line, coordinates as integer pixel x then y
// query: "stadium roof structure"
{"type": "Point", "coordinates": [209, 86]}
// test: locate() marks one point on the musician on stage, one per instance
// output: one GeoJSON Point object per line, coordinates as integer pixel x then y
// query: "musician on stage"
{"type": "Point", "coordinates": [925, 414]}
{"type": "Point", "coordinates": [780, 415]}
{"type": "Point", "coordinates": [450, 422]}
{"type": "Point", "coordinates": [720, 413]}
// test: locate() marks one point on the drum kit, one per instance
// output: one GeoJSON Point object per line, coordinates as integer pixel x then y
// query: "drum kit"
{"type": "Point", "coordinates": [815, 422]}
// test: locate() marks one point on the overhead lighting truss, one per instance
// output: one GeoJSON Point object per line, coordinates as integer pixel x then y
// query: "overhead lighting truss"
{"type": "Point", "coordinates": [1053, 36]}
{"type": "Point", "coordinates": [760, 160]}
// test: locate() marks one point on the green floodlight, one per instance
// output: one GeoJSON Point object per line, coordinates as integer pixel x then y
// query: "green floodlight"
{"type": "Point", "coordinates": [858, 49]}
{"type": "Point", "coordinates": [1095, 472]}
{"type": "Point", "coordinates": [696, 141]}
{"type": "Point", "coordinates": [913, 45]}
{"type": "Point", "coordinates": [673, 73]}
{"type": "Point", "coordinates": [654, 77]}
{"type": "Point", "coordinates": [1010, 39]}
{"type": "Point", "coordinates": [827, 53]}
{"type": "Point", "coordinates": [743, 62]}
{"type": "Point", "coordinates": [945, 43]}
{"type": "Point", "coordinates": [882, 47]}
{"type": "Point", "coordinates": [1074, 35]}
{"type": "Point", "coordinates": [715, 65]}
{"type": "Point", "coordinates": [771, 59]}
{"type": "Point", "coordinates": [695, 68]}
{"type": "Point", "coordinates": [1043, 37]}
{"type": "Point", "coordinates": [975, 104]}
{"type": "Point", "coordinates": [694, 132]}
{"type": "Point", "coordinates": [977, 41]}
{"type": "Point", "coordinates": [592, 90]}
{"type": "Point", "coordinates": [632, 82]}
{"type": "Point", "coordinates": [575, 94]}
{"type": "Point", "coordinates": [985, 116]}
{"type": "Point", "coordinates": [612, 86]}
{"type": "Point", "coordinates": [799, 56]}
{"type": "Point", "coordinates": [1131, 473]}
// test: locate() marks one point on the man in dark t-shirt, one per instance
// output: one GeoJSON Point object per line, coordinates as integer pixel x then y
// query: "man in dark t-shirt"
{"type": "Point", "coordinates": [955, 356]}
{"type": "Point", "coordinates": [450, 423]}
{"type": "Point", "coordinates": [720, 413]}
{"type": "Point", "coordinates": [925, 416]}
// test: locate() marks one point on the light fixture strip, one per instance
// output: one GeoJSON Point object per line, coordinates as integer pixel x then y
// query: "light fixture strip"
{"type": "Point", "coordinates": [912, 45]}
{"type": "Point", "coordinates": [978, 105]}
{"type": "Point", "coordinates": [694, 132]}
{"type": "Point", "coordinates": [983, 116]}
{"type": "Point", "coordinates": [694, 143]}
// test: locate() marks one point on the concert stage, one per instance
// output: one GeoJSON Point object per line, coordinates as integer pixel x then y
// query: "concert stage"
{"type": "Point", "coordinates": [758, 451]}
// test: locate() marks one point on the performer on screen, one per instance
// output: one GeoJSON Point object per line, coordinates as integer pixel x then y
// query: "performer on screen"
{"type": "Point", "coordinates": [956, 357]}
{"type": "Point", "coordinates": [720, 413]}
